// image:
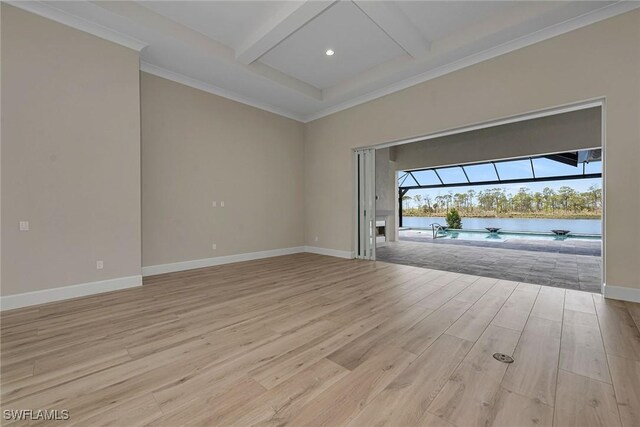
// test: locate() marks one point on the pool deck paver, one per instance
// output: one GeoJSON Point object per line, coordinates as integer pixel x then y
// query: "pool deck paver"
{"type": "Point", "coordinates": [569, 264]}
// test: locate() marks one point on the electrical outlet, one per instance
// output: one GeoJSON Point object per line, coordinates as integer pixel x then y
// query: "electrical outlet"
{"type": "Point", "coordinates": [214, 204]}
{"type": "Point", "coordinates": [24, 225]}
{"type": "Point", "coordinates": [222, 204]}
{"type": "Point", "coordinates": [99, 265]}
{"type": "Point", "coordinates": [316, 238]}
{"type": "Point", "coordinates": [214, 246]}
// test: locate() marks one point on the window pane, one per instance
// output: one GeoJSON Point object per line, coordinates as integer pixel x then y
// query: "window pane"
{"type": "Point", "coordinates": [406, 180]}
{"type": "Point", "coordinates": [514, 169]}
{"type": "Point", "coordinates": [481, 173]}
{"type": "Point", "coordinates": [593, 167]}
{"type": "Point", "coordinates": [546, 167]}
{"type": "Point", "coordinates": [452, 175]}
{"type": "Point", "coordinates": [426, 177]}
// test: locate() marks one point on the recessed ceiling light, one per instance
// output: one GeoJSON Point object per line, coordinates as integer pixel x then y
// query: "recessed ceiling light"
{"type": "Point", "coordinates": [329, 52]}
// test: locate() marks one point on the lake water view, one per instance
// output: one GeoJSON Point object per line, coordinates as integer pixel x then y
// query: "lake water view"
{"type": "Point", "coordinates": [581, 226]}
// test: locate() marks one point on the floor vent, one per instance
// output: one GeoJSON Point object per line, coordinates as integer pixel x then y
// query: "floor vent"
{"type": "Point", "coordinates": [503, 358]}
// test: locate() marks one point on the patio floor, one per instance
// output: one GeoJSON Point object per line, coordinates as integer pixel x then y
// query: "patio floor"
{"type": "Point", "coordinates": [569, 264]}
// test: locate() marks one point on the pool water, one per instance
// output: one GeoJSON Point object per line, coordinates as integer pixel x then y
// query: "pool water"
{"type": "Point", "coordinates": [504, 236]}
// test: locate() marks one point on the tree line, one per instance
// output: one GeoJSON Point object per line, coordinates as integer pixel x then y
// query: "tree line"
{"type": "Point", "coordinates": [497, 202]}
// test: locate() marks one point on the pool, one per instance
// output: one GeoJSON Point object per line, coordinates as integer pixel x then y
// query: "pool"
{"type": "Point", "coordinates": [512, 235]}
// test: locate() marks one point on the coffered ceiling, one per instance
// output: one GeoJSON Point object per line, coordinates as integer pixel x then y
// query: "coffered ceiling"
{"type": "Point", "coordinates": [272, 54]}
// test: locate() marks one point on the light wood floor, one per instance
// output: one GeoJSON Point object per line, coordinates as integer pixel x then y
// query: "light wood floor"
{"type": "Point", "coordinates": [309, 340]}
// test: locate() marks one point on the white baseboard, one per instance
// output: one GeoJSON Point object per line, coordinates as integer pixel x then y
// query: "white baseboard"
{"type": "Point", "coordinates": [329, 252]}
{"type": "Point", "coordinates": [9, 302]}
{"type": "Point", "coordinates": [622, 293]}
{"type": "Point", "coordinates": [210, 262]}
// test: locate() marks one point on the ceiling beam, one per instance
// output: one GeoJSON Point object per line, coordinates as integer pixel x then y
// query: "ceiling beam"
{"type": "Point", "coordinates": [288, 21]}
{"type": "Point", "coordinates": [396, 25]}
{"type": "Point", "coordinates": [160, 24]}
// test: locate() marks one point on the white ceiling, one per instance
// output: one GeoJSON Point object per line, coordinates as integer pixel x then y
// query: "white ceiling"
{"type": "Point", "coordinates": [358, 42]}
{"type": "Point", "coordinates": [271, 54]}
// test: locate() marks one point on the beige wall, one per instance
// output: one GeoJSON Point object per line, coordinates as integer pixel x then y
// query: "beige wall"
{"type": "Point", "coordinates": [552, 134]}
{"type": "Point", "coordinates": [71, 152]}
{"type": "Point", "coordinates": [197, 148]}
{"type": "Point", "coordinates": [70, 155]}
{"type": "Point", "coordinates": [386, 192]}
{"type": "Point", "coordinates": [385, 197]}
{"type": "Point", "coordinates": [599, 60]}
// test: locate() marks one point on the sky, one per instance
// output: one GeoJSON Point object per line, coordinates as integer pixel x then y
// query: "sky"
{"type": "Point", "coordinates": [516, 169]}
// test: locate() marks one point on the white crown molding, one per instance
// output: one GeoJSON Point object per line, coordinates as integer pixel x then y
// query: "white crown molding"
{"type": "Point", "coordinates": [9, 302]}
{"type": "Point", "coordinates": [621, 293]}
{"type": "Point", "coordinates": [210, 262]}
{"type": "Point", "coordinates": [329, 252]}
{"type": "Point", "coordinates": [198, 84]}
{"type": "Point", "coordinates": [547, 33]}
{"type": "Point", "coordinates": [46, 10]}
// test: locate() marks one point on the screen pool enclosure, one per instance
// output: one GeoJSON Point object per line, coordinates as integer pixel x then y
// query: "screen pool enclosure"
{"type": "Point", "coordinates": [583, 164]}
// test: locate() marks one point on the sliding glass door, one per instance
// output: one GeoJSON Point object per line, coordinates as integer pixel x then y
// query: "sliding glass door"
{"type": "Point", "coordinates": [365, 171]}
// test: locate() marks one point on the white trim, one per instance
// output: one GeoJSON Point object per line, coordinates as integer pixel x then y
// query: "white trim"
{"type": "Point", "coordinates": [329, 252]}
{"type": "Point", "coordinates": [544, 34]}
{"type": "Point", "coordinates": [198, 84]}
{"type": "Point", "coordinates": [9, 302]}
{"type": "Point", "coordinates": [46, 10]}
{"type": "Point", "coordinates": [210, 262]}
{"type": "Point", "coordinates": [603, 216]}
{"type": "Point", "coordinates": [621, 293]}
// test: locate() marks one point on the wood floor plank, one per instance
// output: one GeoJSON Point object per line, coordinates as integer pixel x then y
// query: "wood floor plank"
{"type": "Point", "coordinates": [625, 374]}
{"type": "Point", "coordinates": [342, 402]}
{"type": "Point", "coordinates": [579, 301]}
{"type": "Point", "coordinates": [360, 349]}
{"type": "Point", "coordinates": [307, 339]}
{"type": "Point", "coordinates": [582, 351]}
{"type": "Point", "coordinates": [135, 412]}
{"type": "Point", "coordinates": [287, 365]}
{"type": "Point", "coordinates": [469, 396]}
{"type": "Point", "coordinates": [215, 376]}
{"type": "Point", "coordinates": [421, 335]}
{"type": "Point", "coordinates": [473, 293]}
{"type": "Point", "coordinates": [515, 311]}
{"type": "Point", "coordinates": [503, 288]}
{"type": "Point", "coordinates": [278, 405]}
{"type": "Point", "coordinates": [619, 331]}
{"type": "Point", "coordinates": [475, 320]}
{"type": "Point", "coordinates": [210, 410]}
{"type": "Point", "coordinates": [512, 409]}
{"type": "Point", "coordinates": [528, 287]}
{"type": "Point", "coordinates": [549, 304]}
{"type": "Point", "coordinates": [582, 401]}
{"type": "Point", "coordinates": [446, 293]}
{"type": "Point", "coordinates": [534, 370]}
{"type": "Point", "coordinates": [405, 400]}
{"type": "Point", "coordinates": [634, 311]}
{"type": "Point", "coordinates": [17, 371]}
